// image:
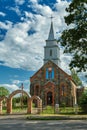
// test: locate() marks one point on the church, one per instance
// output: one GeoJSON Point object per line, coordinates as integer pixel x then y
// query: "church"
{"type": "Point", "coordinates": [50, 82]}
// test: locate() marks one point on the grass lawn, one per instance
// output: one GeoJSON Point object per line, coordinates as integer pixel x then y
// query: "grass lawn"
{"type": "Point", "coordinates": [61, 110]}
{"type": "Point", "coordinates": [47, 110]}
{"type": "Point", "coordinates": [16, 110]}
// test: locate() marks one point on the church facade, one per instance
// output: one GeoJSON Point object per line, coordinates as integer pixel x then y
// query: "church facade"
{"type": "Point", "coordinates": [50, 82]}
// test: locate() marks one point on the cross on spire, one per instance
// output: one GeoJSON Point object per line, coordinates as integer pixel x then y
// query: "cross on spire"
{"type": "Point", "coordinates": [51, 18]}
{"type": "Point", "coordinates": [51, 33]}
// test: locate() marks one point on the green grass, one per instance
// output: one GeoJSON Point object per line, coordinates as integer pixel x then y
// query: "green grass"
{"type": "Point", "coordinates": [48, 110]}
{"type": "Point", "coordinates": [17, 109]}
{"type": "Point", "coordinates": [62, 110]}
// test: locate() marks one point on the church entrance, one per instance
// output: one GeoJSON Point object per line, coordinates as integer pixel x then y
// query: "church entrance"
{"type": "Point", "coordinates": [49, 98]}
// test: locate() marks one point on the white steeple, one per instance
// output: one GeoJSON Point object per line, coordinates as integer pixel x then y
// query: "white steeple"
{"type": "Point", "coordinates": [51, 33]}
{"type": "Point", "coordinates": [51, 50]}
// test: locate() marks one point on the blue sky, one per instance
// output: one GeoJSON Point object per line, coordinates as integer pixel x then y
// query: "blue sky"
{"type": "Point", "coordinates": [24, 27]}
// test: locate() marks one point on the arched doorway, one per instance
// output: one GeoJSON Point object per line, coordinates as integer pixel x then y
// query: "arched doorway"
{"type": "Point", "coordinates": [49, 98]}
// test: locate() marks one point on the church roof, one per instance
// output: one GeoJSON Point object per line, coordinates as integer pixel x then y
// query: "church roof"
{"type": "Point", "coordinates": [56, 66]}
{"type": "Point", "coordinates": [51, 33]}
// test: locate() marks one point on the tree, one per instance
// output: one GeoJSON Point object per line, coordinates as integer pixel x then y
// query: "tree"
{"type": "Point", "coordinates": [74, 38]}
{"type": "Point", "coordinates": [83, 101]}
{"type": "Point", "coordinates": [76, 78]}
{"type": "Point", "coordinates": [4, 92]}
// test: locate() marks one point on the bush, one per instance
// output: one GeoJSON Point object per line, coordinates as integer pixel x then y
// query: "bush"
{"type": "Point", "coordinates": [63, 104]}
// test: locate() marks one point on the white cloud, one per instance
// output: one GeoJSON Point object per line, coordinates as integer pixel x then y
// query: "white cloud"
{"type": "Point", "coordinates": [33, 1]}
{"type": "Point", "coordinates": [16, 85]}
{"type": "Point", "coordinates": [16, 9]}
{"type": "Point", "coordinates": [65, 60]}
{"type": "Point", "coordinates": [44, 10]}
{"type": "Point", "coordinates": [16, 82]}
{"type": "Point", "coordinates": [5, 25]}
{"type": "Point", "coordinates": [19, 2]}
{"type": "Point", "coordinates": [2, 14]}
{"type": "Point", "coordinates": [13, 87]}
{"type": "Point", "coordinates": [60, 7]}
{"type": "Point", "coordinates": [83, 77]}
{"type": "Point", "coordinates": [20, 50]}
{"type": "Point", "coordinates": [10, 87]}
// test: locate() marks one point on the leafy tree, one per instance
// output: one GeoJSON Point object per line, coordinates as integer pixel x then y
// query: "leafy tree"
{"type": "Point", "coordinates": [83, 101]}
{"type": "Point", "coordinates": [14, 102]}
{"type": "Point", "coordinates": [25, 100]}
{"type": "Point", "coordinates": [74, 38]}
{"type": "Point", "coordinates": [19, 101]}
{"type": "Point", "coordinates": [76, 78]}
{"type": "Point", "coordinates": [4, 92]}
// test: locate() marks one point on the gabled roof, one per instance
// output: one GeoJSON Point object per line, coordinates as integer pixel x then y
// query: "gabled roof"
{"type": "Point", "coordinates": [57, 67]}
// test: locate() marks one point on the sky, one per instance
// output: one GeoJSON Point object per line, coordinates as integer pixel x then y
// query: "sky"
{"type": "Point", "coordinates": [24, 27]}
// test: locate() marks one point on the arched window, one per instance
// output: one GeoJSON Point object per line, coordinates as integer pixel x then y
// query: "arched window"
{"type": "Point", "coordinates": [63, 89]}
{"type": "Point", "coordinates": [50, 52]}
{"type": "Point", "coordinates": [50, 73]}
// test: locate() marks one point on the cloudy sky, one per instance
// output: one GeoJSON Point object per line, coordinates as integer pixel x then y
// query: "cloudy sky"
{"type": "Point", "coordinates": [24, 27]}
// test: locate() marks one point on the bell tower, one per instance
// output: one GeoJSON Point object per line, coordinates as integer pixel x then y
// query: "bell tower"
{"type": "Point", "coordinates": [52, 50]}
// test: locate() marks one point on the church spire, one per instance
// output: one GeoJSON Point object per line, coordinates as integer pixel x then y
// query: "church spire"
{"type": "Point", "coordinates": [51, 50]}
{"type": "Point", "coordinates": [51, 33]}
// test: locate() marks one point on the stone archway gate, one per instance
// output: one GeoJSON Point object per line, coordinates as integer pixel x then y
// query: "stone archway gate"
{"type": "Point", "coordinates": [9, 100]}
{"type": "Point", "coordinates": [39, 103]}
{"type": "Point", "coordinates": [29, 101]}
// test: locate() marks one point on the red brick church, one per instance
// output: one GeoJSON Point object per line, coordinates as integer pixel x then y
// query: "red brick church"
{"type": "Point", "coordinates": [50, 82]}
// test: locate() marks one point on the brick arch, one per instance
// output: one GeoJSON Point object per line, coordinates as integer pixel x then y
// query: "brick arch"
{"type": "Point", "coordinates": [65, 88]}
{"type": "Point", "coordinates": [9, 100]}
{"type": "Point", "coordinates": [35, 97]}
{"type": "Point", "coordinates": [39, 103]}
{"type": "Point", "coordinates": [18, 91]}
{"type": "Point", "coordinates": [4, 97]}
